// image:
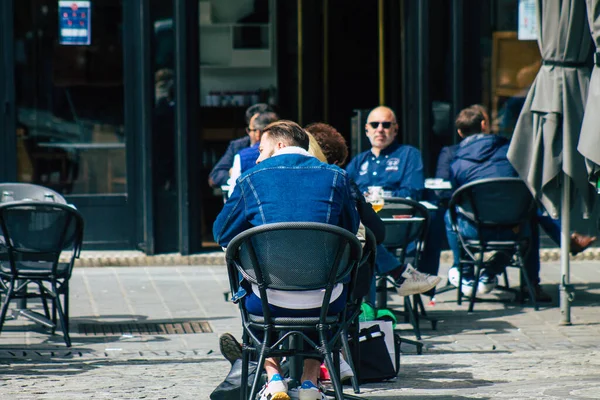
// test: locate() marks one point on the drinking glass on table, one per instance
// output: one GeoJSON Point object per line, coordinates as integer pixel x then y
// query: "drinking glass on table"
{"type": "Point", "coordinates": [375, 197]}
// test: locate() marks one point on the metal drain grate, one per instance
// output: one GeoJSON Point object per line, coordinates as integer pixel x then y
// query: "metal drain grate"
{"type": "Point", "coordinates": [144, 328]}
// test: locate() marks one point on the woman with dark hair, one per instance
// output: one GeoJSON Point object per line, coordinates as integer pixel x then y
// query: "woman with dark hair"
{"type": "Point", "coordinates": [333, 145]}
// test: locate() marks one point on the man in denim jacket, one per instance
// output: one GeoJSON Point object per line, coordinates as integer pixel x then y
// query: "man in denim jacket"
{"type": "Point", "coordinates": [288, 185]}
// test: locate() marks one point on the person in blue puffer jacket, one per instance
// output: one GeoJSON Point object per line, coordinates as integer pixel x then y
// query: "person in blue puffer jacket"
{"type": "Point", "coordinates": [481, 155]}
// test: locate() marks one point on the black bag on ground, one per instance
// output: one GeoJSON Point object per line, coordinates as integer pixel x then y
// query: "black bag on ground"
{"type": "Point", "coordinates": [229, 389]}
{"type": "Point", "coordinates": [375, 362]}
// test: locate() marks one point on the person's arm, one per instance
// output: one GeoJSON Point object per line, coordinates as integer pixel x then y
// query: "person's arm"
{"type": "Point", "coordinates": [349, 218]}
{"type": "Point", "coordinates": [368, 216]}
{"type": "Point", "coordinates": [442, 170]}
{"type": "Point", "coordinates": [411, 184]}
{"type": "Point", "coordinates": [231, 220]}
{"type": "Point", "coordinates": [220, 172]}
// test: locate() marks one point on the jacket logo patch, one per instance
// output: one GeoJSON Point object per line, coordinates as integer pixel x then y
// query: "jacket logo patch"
{"type": "Point", "coordinates": [392, 164]}
{"type": "Point", "coordinates": [364, 168]}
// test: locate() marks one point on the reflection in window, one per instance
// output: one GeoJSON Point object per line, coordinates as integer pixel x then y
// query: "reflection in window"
{"type": "Point", "coordinates": [70, 132]}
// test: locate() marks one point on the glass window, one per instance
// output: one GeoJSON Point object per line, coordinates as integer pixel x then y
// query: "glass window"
{"type": "Point", "coordinates": [69, 96]}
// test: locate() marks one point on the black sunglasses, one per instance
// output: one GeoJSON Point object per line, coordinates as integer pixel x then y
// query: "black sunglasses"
{"type": "Point", "coordinates": [385, 124]}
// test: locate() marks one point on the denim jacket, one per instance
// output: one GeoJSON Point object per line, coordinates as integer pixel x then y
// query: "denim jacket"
{"type": "Point", "coordinates": [287, 188]}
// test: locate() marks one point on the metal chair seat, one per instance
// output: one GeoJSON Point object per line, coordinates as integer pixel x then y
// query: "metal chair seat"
{"type": "Point", "coordinates": [35, 269]}
{"type": "Point", "coordinates": [290, 321]}
{"type": "Point", "coordinates": [496, 244]}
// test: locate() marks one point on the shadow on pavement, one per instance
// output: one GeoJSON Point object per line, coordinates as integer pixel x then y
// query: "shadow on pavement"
{"type": "Point", "coordinates": [73, 366]}
{"type": "Point", "coordinates": [428, 397]}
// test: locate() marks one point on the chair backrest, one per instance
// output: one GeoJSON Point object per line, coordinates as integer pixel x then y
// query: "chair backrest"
{"type": "Point", "coordinates": [40, 229]}
{"type": "Point", "coordinates": [30, 191]}
{"type": "Point", "coordinates": [412, 223]}
{"type": "Point", "coordinates": [294, 255]}
{"type": "Point", "coordinates": [494, 202]}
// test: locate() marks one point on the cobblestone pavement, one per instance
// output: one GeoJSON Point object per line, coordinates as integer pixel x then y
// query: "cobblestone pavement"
{"type": "Point", "coordinates": [501, 351]}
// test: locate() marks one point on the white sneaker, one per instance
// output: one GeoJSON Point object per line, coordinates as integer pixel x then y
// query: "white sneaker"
{"type": "Point", "coordinates": [275, 389]}
{"type": "Point", "coordinates": [453, 276]}
{"type": "Point", "coordinates": [486, 283]}
{"type": "Point", "coordinates": [345, 370]}
{"type": "Point", "coordinates": [467, 284]}
{"type": "Point", "coordinates": [416, 282]}
{"type": "Point", "coordinates": [307, 391]}
{"type": "Point", "coordinates": [467, 287]}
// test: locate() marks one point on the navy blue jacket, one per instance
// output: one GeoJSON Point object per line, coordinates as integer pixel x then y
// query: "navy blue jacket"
{"type": "Point", "coordinates": [398, 168]}
{"type": "Point", "coordinates": [287, 188]}
{"type": "Point", "coordinates": [445, 158]}
{"type": "Point", "coordinates": [248, 157]}
{"type": "Point", "coordinates": [220, 172]}
{"type": "Point", "coordinates": [481, 156]}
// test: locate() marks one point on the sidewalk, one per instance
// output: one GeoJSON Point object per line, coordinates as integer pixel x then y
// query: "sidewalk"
{"type": "Point", "coordinates": [137, 349]}
{"type": "Point", "coordinates": [129, 258]}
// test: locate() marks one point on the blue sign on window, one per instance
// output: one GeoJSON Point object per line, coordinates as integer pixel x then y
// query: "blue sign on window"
{"type": "Point", "coordinates": [74, 22]}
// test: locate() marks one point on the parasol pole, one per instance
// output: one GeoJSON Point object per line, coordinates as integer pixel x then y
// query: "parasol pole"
{"type": "Point", "coordinates": [565, 243]}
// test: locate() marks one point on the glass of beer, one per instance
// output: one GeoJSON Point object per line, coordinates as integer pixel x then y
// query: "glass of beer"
{"type": "Point", "coordinates": [375, 197]}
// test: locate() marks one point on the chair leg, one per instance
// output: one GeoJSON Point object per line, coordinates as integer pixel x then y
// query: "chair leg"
{"type": "Point", "coordinates": [420, 307]}
{"type": "Point", "coordinates": [381, 293]}
{"type": "Point", "coordinates": [7, 299]}
{"type": "Point", "coordinates": [527, 282]}
{"type": "Point", "coordinates": [505, 273]}
{"type": "Point", "coordinates": [245, 363]}
{"type": "Point", "coordinates": [475, 283]}
{"type": "Point", "coordinates": [459, 291]}
{"type": "Point", "coordinates": [61, 316]}
{"type": "Point", "coordinates": [350, 361]}
{"type": "Point", "coordinates": [334, 375]}
{"type": "Point", "coordinates": [259, 365]}
{"type": "Point", "coordinates": [411, 316]}
{"type": "Point", "coordinates": [65, 290]}
{"type": "Point", "coordinates": [44, 299]}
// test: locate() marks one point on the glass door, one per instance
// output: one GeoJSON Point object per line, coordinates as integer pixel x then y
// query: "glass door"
{"type": "Point", "coordinates": [69, 100]}
{"type": "Point", "coordinates": [65, 72]}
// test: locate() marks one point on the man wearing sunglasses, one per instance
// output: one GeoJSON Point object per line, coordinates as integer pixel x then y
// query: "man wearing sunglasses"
{"type": "Point", "coordinates": [398, 169]}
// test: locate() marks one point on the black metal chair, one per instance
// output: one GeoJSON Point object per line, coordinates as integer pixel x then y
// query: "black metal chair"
{"type": "Point", "coordinates": [499, 204]}
{"type": "Point", "coordinates": [293, 256]}
{"type": "Point", "coordinates": [406, 221]}
{"type": "Point", "coordinates": [35, 234]}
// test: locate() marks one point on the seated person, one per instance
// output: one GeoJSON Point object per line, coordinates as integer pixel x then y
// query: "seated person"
{"type": "Point", "coordinates": [289, 185]}
{"type": "Point", "coordinates": [220, 173]}
{"type": "Point", "coordinates": [482, 155]}
{"type": "Point", "coordinates": [333, 145]}
{"type": "Point", "coordinates": [246, 158]}
{"type": "Point", "coordinates": [399, 169]}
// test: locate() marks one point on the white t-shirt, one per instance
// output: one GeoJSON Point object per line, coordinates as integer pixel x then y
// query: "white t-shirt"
{"type": "Point", "coordinates": [303, 300]}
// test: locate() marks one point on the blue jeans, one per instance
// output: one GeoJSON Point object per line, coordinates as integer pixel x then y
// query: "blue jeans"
{"type": "Point", "coordinates": [469, 231]}
{"type": "Point", "coordinates": [253, 306]}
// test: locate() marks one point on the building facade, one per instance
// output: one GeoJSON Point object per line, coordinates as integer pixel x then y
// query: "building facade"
{"type": "Point", "coordinates": [124, 106]}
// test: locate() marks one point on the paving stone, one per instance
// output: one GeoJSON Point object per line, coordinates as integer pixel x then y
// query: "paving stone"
{"type": "Point", "coordinates": [500, 351]}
